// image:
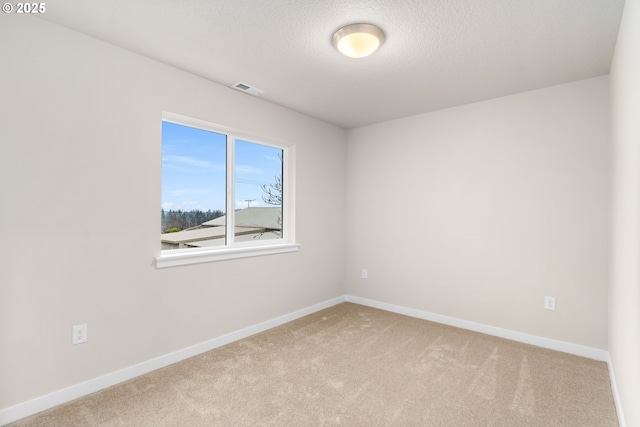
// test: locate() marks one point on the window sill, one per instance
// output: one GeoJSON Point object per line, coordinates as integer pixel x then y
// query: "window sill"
{"type": "Point", "coordinates": [169, 259]}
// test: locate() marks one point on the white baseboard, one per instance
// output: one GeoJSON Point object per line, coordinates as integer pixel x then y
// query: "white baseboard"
{"type": "Point", "coordinates": [65, 395]}
{"type": "Point", "coordinates": [578, 350]}
{"type": "Point", "coordinates": [616, 396]}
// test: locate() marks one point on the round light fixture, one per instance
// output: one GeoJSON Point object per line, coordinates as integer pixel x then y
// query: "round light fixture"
{"type": "Point", "coordinates": [358, 40]}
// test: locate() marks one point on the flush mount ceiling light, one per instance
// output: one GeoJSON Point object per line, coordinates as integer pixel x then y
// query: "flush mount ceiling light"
{"type": "Point", "coordinates": [358, 40]}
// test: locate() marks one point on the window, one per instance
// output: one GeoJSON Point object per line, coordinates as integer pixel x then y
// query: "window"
{"type": "Point", "coordinates": [224, 195]}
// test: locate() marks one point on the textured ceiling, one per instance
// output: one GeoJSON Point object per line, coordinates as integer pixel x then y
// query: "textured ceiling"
{"type": "Point", "coordinates": [438, 53]}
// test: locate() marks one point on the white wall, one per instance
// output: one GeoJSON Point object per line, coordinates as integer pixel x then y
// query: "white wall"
{"type": "Point", "coordinates": [80, 128]}
{"type": "Point", "coordinates": [474, 212]}
{"type": "Point", "coordinates": [477, 212]}
{"type": "Point", "coordinates": [624, 294]}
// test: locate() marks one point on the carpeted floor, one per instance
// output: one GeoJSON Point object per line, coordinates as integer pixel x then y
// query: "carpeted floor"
{"type": "Point", "coordinates": [351, 365]}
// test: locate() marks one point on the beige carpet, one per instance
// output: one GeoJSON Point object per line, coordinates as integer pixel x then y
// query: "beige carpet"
{"type": "Point", "coordinates": [352, 365]}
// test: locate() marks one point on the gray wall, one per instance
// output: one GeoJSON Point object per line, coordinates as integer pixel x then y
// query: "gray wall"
{"type": "Point", "coordinates": [478, 212]}
{"type": "Point", "coordinates": [474, 212]}
{"type": "Point", "coordinates": [80, 183]}
{"type": "Point", "coordinates": [624, 293]}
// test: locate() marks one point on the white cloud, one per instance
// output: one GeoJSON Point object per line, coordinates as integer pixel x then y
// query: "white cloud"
{"type": "Point", "coordinates": [276, 158]}
{"type": "Point", "coordinates": [247, 169]}
{"type": "Point", "coordinates": [184, 206]}
{"type": "Point", "coordinates": [181, 192]}
{"type": "Point", "coordinates": [167, 206]}
{"type": "Point", "coordinates": [177, 161]}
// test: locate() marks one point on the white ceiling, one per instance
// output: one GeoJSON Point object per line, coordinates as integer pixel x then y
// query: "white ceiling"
{"type": "Point", "coordinates": [438, 53]}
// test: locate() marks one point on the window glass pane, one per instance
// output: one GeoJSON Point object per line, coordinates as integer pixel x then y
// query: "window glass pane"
{"type": "Point", "coordinates": [258, 191]}
{"type": "Point", "coordinates": [193, 187]}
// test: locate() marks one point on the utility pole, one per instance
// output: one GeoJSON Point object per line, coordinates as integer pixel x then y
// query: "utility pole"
{"type": "Point", "coordinates": [249, 202]}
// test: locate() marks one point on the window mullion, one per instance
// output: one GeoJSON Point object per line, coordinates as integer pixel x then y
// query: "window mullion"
{"type": "Point", "coordinates": [231, 197]}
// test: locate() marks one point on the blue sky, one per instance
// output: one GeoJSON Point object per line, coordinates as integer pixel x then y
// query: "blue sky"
{"type": "Point", "coordinates": [193, 169]}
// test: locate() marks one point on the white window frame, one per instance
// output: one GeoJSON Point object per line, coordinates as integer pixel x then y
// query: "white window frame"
{"type": "Point", "coordinates": [232, 249]}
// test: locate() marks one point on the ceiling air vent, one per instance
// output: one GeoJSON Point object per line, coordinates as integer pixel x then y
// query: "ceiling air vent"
{"type": "Point", "coordinates": [243, 87]}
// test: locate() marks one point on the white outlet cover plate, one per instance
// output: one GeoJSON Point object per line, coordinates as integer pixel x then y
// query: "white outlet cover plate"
{"type": "Point", "coordinates": [550, 303]}
{"type": "Point", "coordinates": [79, 334]}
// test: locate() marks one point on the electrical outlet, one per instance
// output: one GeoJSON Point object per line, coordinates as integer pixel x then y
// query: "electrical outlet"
{"type": "Point", "coordinates": [550, 303]}
{"type": "Point", "coordinates": [79, 334]}
{"type": "Point", "coordinates": [365, 273]}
